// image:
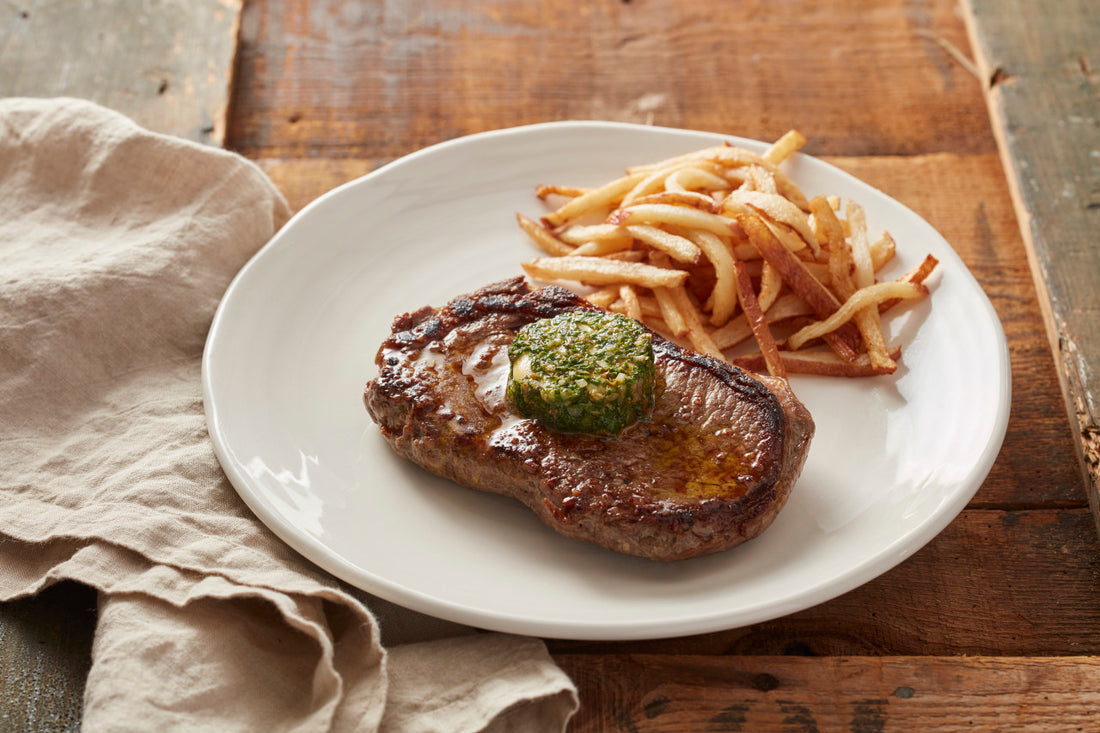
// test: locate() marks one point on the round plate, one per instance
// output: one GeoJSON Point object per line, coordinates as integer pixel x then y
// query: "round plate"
{"type": "Point", "coordinates": [293, 343]}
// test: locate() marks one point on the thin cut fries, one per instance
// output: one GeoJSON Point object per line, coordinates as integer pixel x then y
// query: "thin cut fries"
{"type": "Point", "coordinates": [603, 271]}
{"type": "Point", "coordinates": [863, 298]}
{"type": "Point", "coordinates": [544, 238]}
{"type": "Point", "coordinates": [718, 248]}
{"type": "Point", "coordinates": [758, 323]}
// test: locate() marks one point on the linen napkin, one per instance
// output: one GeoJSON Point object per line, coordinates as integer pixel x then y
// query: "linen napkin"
{"type": "Point", "coordinates": [116, 245]}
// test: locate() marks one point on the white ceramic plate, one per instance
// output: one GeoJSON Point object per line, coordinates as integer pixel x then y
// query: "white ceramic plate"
{"type": "Point", "coordinates": [293, 343]}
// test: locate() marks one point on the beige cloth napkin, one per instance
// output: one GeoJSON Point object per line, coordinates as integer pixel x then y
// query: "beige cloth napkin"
{"type": "Point", "coordinates": [116, 245]}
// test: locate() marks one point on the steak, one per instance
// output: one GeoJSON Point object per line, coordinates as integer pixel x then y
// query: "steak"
{"type": "Point", "coordinates": [710, 469]}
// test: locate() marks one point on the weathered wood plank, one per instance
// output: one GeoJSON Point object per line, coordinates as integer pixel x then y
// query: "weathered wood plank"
{"type": "Point", "coordinates": [45, 645]}
{"type": "Point", "coordinates": [1041, 64]}
{"type": "Point", "coordinates": [651, 693]}
{"type": "Point", "coordinates": [165, 63]}
{"type": "Point", "coordinates": [377, 80]}
{"type": "Point", "coordinates": [993, 582]}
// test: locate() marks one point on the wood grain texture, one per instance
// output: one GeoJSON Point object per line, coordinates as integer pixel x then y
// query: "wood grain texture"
{"type": "Point", "coordinates": [377, 80]}
{"type": "Point", "coordinates": [45, 646]}
{"type": "Point", "coordinates": [165, 63]}
{"type": "Point", "coordinates": [984, 586]}
{"type": "Point", "coordinates": [652, 693]}
{"type": "Point", "coordinates": [1042, 74]}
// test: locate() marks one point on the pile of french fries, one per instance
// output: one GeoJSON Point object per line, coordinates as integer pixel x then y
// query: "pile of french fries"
{"type": "Point", "coordinates": [719, 248]}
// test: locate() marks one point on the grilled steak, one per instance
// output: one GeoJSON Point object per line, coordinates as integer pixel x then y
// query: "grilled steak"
{"type": "Point", "coordinates": [709, 470]}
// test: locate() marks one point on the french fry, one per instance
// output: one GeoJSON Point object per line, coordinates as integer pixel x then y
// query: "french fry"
{"type": "Point", "coordinates": [882, 250]}
{"type": "Point", "coordinates": [676, 198]}
{"type": "Point", "coordinates": [590, 200]}
{"type": "Point", "coordinates": [546, 191]}
{"type": "Point", "coordinates": [696, 333]}
{"type": "Point", "coordinates": [603, 297]}
{"type": "Point", "coordinates": [694, 178]}
{"type": "Point", "coordinates": [670, 312]}
{"type": "Point", "coordinates": [599, 247]}
{"type": "Point", "coordinates": [737, 331]}
{"type": "Point", "coordinates": [669, 214]}
{"type": "Point", "coordinates": [631, 305]}
{"type": "Point", "coordinates": [773, 206]}
{"type": "Point", "coordinates": [603, 271]}
{"type": "Point", "coordinates": [866, 297]}
{"type": "Point", "coordinates": [917, 275]}
{"type": "Point", "coordinates": [720, 255]}
{"type": "Point", "coordinates": [698, 156]}
{"type": "Point", "coordinates": [678, 248]}
{"type": "Point", "coordinates": [578, 234]}
{"type": "Point", "coordinates": [542, 237]}
{"type": "Point", "coordinates": [866, 319]}
{"type": "Point", "coordinates": [785, 147]}
{"type": "Point", "coordinates": [770, 285]}
{"type": "Point", "coordinates": [821, 363]}
{"type": "Point", "coordinates": [758, 323]}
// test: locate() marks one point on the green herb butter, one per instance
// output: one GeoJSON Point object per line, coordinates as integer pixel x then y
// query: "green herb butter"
{"type": "Point", "coordinates": [583, 372]}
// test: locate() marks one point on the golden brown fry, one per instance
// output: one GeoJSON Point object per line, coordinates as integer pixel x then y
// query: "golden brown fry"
{"type": "Point", "coordinates": [831, 232]}
{"type": "Point", "coordinates": [671, 215]}
{"type": "Point", "coordinates": [629, 255]}
{"type": "Point", "coordinates": [882, 250]}
{"type": "Point", "coordinates": [602, 271]}
{"type": "Point", "coordinates": [866, 297]}
{"type": "Point", "coordinates": [792, 269]}
{"type": "Point", "coordinates": [543, 237]}
{"type": "Point", "coordinates": [821, 363]}
{"type": "Point", "coordinates": [735, 332]}
{"type": "Point", "coordinates": [546, 191]}
{"type": "Point", "coordinates": [650, 309]}
{"type": "Point", "coordinates": [578, 234]}
{"type": "Point", "coordinates": [591, 200]}
{"type": "Point", "coordinates": [770, 285]}
{"type": "Point", "coordinates": [650, 182]}
{"type": "Point", "coordinates": [670, 312]}
{"type": "Point", "coordinates": [695, 178]}
{"type": "Point", "coordinates": [759, 179]}
{"type": "Point", "coordinates": [599, 247]}
{"type": "Point", "coordinates": [678, 248]}
{"type": "Point", "coordinates": [866, 319]}
{"type": "Point", "coordinates": [723, 298]}
{"type": "Point", "coordinates": [631, 305]}
{"type": "Point", "coordinates": [785, 147]}
{"type": "Point", "coordinates": [603, 297]}
{"type": "Point", "coordinates": [676, 198]}
{"type": "Point", "coordinates": [827, 228]}
{"type": "Point", "coordinates": [758, 324]}
{"type": "Point", "coordinates": [773, 206]}
{"type": "Point", "coordinates": [693, 158]}
{"type": "Point", "coordinates": [918, 274]}
{"type": "Point", "coordinates": [696, 333]}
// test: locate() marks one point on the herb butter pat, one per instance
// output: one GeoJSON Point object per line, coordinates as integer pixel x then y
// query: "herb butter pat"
{"type": "Point", "coordinates": [583, 372]}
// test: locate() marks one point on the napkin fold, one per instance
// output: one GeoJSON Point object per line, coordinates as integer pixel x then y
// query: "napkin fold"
{"type": "Point", "coordinates": [116, 245]}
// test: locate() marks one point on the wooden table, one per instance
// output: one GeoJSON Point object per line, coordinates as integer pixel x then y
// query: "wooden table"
{"type": "Point", "coordinates": [953, 110]}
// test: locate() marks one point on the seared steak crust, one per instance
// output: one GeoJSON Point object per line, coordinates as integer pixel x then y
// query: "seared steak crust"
{"type": "Point", "coordinates": [710, 469]}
